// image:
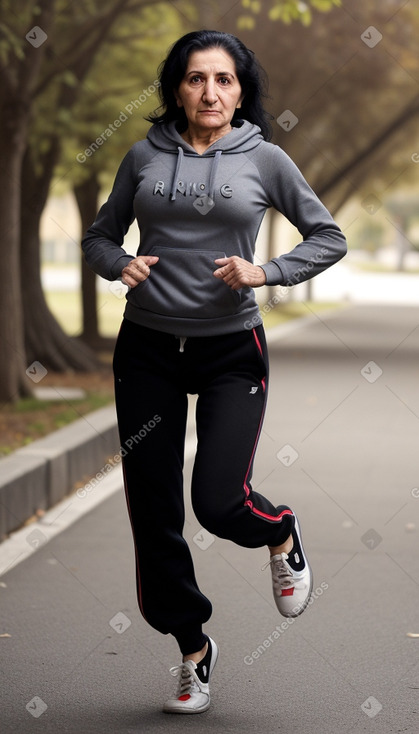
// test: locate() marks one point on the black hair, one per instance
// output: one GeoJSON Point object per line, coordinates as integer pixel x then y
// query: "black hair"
{"type": "Point", "coordinates": [251, 76]}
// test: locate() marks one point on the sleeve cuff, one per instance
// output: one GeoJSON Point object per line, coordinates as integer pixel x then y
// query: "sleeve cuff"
{"type": "Point", "coordinates": [273, 272]}
{"type": "Point", "coordinates": [119, 265]}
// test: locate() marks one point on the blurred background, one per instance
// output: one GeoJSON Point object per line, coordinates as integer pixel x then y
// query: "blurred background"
{"type": "Point", "coordinates": [77, 80]}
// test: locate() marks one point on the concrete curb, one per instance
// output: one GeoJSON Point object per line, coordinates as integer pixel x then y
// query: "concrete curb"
{"type": "Point", "coordinates": [38, 476]}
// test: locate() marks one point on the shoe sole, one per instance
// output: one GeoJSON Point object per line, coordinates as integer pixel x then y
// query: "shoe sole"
{"type": "Point", "coordinates": [187, 711]}
{"type": "Point", "coordinates": [214, 657]}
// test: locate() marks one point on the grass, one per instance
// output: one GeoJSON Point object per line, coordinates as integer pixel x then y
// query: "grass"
{"type": "Point", "coordinates": [66, 307]}
{"type": "Point", "coordinates": [30, 419]}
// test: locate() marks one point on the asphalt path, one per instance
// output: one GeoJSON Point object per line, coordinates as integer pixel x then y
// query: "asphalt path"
{"type": "Point", "coordinates": [340, 445]}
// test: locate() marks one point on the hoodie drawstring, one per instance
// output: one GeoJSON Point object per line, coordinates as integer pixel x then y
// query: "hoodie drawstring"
{"type": "Point", "coordinates": [177, 174]}
{"type": "Point", "coordinates": [211, 185]}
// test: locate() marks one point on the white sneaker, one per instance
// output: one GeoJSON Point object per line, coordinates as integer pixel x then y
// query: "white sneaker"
{"type": "Point", "coordinates": [192, 695]}
{"type": "Point", "coordinates": [292, 579]}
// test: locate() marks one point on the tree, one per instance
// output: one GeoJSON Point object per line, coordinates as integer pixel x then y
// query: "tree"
{"type": "Point", "coordinates": [403, 209]}
{"type": "Point", "coordinates": [19, 70]}
{"type": "Point", "coordinates": [87, 196]}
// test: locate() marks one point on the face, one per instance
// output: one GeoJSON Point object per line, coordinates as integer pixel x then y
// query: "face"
{"type": "Point", "coordinates": [210, 90]}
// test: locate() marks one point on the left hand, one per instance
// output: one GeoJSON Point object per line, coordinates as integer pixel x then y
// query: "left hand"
{"type": "Point", "coordinates": [237, 272]}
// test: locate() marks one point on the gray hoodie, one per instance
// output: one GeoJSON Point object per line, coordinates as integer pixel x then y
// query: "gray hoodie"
{"type": "Point", "coordinates": [192, 209]}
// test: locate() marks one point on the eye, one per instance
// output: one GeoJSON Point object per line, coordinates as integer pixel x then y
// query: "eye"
{"type": "Point", "coordinates": [195, 79]}
{"type": "Point", "coordinates": [224, 81]}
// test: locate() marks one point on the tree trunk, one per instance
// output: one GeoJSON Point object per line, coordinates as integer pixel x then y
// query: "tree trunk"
{"type": "Point", "coordinates": [13, 381]}
{"type": "Point", "coordinates": [87, 195]}
{"type": "Point", "coordinates": [45, 340]}
{"type": "Point", "coordinates": [403, 246]}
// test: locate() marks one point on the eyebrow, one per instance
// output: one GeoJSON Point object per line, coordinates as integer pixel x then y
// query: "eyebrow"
{"type": "Point", "coordinates": [218, 73]}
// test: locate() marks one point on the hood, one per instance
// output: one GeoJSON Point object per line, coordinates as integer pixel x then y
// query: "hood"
{"type": "Point", "coordinates": [243, 137]}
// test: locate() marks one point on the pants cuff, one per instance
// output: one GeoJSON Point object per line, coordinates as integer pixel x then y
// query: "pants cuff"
{"type": "Point", "coordinates": [284, 531]}
{"type": "Point", "coordinates": [190, 638]}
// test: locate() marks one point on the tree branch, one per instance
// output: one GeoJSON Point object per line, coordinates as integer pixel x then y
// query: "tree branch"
{"type": "Point", "coordinates": [384, 135]}
{"type": "Point", "coordinates": [77, 55]}
{"type": "Point", "coordinates": [28, 69]}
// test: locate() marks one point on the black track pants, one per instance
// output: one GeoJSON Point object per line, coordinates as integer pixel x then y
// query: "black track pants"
{"type": "Point", "coordinates": [154, 372]}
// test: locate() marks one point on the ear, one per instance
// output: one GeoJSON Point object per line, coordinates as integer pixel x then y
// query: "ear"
{"type": "Point", "coordinates": [178, 99]}
{"type": "Point", "coordinates": [239, 103]}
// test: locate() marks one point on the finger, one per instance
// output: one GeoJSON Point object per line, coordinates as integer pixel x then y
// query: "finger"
{"type": "Point", "coordinates": [141, 272]}
{"type": "Point", "coordinates": [143, 264]}
{"type": "Point", "coordinates": [229, 279]}
{"type": "Point", "coordinates": [219, 273]}
{"type": "Point", "coordinates": [223, 271]}
{"type": "Point", "coordinates": [134, 274]}
{"type": "Point", "coordinates": [129, 281]}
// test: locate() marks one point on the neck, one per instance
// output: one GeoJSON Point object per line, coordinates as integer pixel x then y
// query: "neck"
{"type": "Point", "coordinates": [201, 140]}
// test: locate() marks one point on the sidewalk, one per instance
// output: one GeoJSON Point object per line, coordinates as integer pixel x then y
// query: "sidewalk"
{"type": "Point", "coordinates": [339, 445]}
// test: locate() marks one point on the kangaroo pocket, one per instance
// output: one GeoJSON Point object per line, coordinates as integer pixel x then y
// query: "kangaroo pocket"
{"type": "Point", "coordinates": [182, 285]}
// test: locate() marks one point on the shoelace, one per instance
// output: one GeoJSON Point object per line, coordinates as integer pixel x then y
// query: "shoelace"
{"type": "Point", "coordinates": [282, 576]}
{"type": "Point", "coordinates": [188, 680]}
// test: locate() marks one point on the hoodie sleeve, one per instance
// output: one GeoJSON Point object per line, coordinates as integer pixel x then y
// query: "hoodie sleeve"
{"type": "Point", "coordinates": [102, 243]}
{"type": "Point", "coordinates": [323, 242]}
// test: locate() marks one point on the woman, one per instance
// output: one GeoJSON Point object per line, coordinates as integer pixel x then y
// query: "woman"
{"type": "Point", "coordinates": [199, 186]}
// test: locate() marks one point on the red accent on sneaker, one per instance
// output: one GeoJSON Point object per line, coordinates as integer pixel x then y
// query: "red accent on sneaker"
{"type": "Point", "coordinates": [186, 697]}
{"type": "Point", "coordinates": [287, 592]}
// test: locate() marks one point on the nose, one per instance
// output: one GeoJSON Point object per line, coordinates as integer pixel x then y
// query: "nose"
{"type": "Point", "coordinates": [210, 93]}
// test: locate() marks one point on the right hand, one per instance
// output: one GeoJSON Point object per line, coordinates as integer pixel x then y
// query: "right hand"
{"type": "Point", "coordinates": [138, 270]}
